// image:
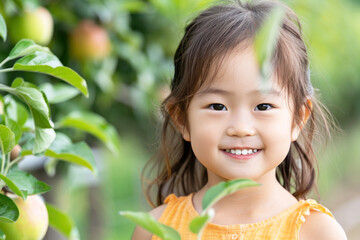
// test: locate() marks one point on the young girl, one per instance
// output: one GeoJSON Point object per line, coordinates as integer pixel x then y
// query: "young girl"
{"type": "Point", "coordinates": [222, 122]}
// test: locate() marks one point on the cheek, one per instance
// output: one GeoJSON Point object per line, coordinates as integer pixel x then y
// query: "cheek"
{"type": "Point", "coordinates": [278, 137]}
{"type": "Point", "coordinates": [204, 132]}
{"type": "Point", "coordinates": [277, 131]}
{"type": "Point", "coordinates": [205, 135]}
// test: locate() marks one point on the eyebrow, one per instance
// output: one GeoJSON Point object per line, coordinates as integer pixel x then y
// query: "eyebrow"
{"type": "Point", "coordinates": [218, 91]}
{"type": "Point", "coordinates": [213, 91]}
{"type": "Point", "coordinates": [267, 91]}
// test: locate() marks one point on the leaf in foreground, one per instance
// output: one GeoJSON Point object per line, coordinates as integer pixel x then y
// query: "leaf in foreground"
{"type": "Point", "coordinates": [3, 29]}
{"type": "Point", "coordinates": [8, 210]}
{"type": "Point", "coordinates": [198, 223]}
{"type": "Point", "coordinates": [62, 223]}
{"type": "Point", "coordinates": [215, 193]}
{"type": "Point", "coordinates": [266, 41]}
{"type": "Point", "coordinates": [146, 221]}
{"type": "Point", "coordinates": [2, 235]}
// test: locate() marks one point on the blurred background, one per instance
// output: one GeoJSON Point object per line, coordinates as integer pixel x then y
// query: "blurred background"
{"type": "Point", "coordinates": [124, 49]}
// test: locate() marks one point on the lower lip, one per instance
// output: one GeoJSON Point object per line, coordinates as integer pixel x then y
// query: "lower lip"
{"type": "Point", "coordinates": [242, 157]}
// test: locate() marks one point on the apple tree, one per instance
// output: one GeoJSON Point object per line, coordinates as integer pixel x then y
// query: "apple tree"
{"type": "Point", "coordinates": [27, 128]}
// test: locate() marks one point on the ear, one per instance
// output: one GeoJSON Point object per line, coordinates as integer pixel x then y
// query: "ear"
{"type": "Point", "coordinates": [185, 134]}
{"type": "Point", "coordinates": [305, 113]}
{"type": "Point", "coordinates": [182, 129]}
{"type": "Point", "coordinates": [178, 122]}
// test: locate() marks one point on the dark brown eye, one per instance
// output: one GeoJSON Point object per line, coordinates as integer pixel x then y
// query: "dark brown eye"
{"type": "Point", "coordinates": [217, 107]}
{"type": "Point", "coordinates": [263, 107]}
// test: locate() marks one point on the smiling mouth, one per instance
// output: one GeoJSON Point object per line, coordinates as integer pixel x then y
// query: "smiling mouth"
{"type": "Point", "coordinates": [242, 152]}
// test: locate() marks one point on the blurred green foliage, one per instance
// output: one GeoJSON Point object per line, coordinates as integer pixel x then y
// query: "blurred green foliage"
{"type": "Point", "coordinates": [332, 29]}
{"type": "Point", "coordinates": [127, 86]}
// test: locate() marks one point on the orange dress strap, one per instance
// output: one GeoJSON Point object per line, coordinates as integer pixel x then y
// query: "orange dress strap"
{"type": "Point", "coordinates": [304, 211]}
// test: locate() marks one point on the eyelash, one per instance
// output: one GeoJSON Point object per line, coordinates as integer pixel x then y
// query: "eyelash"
{"type": "Point", "coordinates": [270, 106]}
{"type": "Point", "coordinates": [222, 107]}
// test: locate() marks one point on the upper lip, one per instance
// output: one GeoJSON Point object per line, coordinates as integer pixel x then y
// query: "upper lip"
{"type": "Point", "coordinates": [240, 148]}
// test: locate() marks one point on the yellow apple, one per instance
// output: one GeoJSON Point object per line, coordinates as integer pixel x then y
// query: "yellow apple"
{"type": "Point", "coordinates": [33, 220]}
{"type": "Point", "coordinates": [89, 41]}
{"type": "Point", "coordinates": [37, 25]}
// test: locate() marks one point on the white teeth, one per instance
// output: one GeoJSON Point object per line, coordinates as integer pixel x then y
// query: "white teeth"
{"type": "Point", "coordinates": [241, 152]}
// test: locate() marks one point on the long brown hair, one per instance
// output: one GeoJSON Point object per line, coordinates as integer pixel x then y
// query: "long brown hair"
{"type": "Point", "coordinates": [207, 40]}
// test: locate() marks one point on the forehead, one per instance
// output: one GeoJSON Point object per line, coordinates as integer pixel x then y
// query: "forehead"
{"type": "Point", "coordinates": [239, 71]}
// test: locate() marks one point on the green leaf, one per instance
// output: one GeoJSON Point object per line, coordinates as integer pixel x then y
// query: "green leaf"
{"type": "Point", "coordinates": [26, 182]}
{"type": "Point", "coordinates": [78, 153]}
{"type": "Point", "coordinates": [43, 139]}
{"type": "Point", "coordinates": [2, 235]}
{"type": "Point", "coordinates": [62, 223]}
{"type": "Point", "coordinates": [3, 29]}
{"type": "Point", "coordinates": [49, 64]}
{"type": "Point", "coordinates": [17, 82]}
{"type": "Point", "coordinates": [26, 47]}
{"type": "Point", "coordinates": [13, 187]}
{"type": "Point", "coordinates": [7, 139]}
{"type": "Point", "coordinates": [37, 103]}
{"type": "Point", "coordinates": [15, 110]}
{"type": "Point", "coordinates": [220, 190]}
{"type": "Point", "coordinates": [15, 128]}
{"type": "Point", "coordinates": [266, 41]}
{"type": "Point", "coordinates": [39, 59]}
{"type": "Point", "coordinates": [95, 125]}
{"type": "Point", "coordinates": [36, 100]}
{"type": "Point", "coordinates": [58, 93]}
{"type": "Point", "coordinates": [146, 221]}
{"type": "Point", "coordinates": [198, 223]}
{"type": "Point", "coordinates": [8, 210]}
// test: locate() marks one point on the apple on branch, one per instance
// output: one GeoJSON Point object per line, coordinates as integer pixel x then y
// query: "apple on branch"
{"type": "Point", "coordinates": [35, 24]}
{"type": "Point", "coordinates": [89, 41]}
{"type": "Point", "coordinates": [33, 220]}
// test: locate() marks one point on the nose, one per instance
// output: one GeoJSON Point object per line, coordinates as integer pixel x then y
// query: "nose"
{"type": "Point", "coordinates": [241, 125]}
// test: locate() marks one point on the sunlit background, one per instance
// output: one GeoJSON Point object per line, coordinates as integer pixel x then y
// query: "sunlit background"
{"type": "Point", "coordinates": [124, 49]}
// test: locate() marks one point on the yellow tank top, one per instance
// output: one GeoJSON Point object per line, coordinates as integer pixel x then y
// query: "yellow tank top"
{"type": "Point", "coordinates": [285, 225]}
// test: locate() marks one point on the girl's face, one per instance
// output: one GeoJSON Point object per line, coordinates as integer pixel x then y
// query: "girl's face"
{"type": "Point", "coordinates": [237, 130]}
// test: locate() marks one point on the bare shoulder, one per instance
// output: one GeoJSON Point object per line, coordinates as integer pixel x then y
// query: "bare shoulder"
{"type": "Point", "coordinates": [319, 225]}
{"type": "Point", "coordinates": [142, 234]}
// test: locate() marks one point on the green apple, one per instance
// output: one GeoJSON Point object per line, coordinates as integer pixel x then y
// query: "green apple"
{"type": "Point", "coordinates": [37, 25]}
{"type": "Point", "coordinates": [33, 220]}
{"type": "Point", "coordinates": [89, 41]}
